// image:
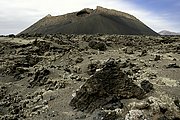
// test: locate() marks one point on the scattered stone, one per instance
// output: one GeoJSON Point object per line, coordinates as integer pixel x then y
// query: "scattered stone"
{"type": "Point", "coordinates": [152, 75]}
{"type": "Point", "coordinates": [177, 103]}
{"type": "Point", "coordinates": [92, 67]}
{"type": "Point", "coordinates": [103, 87]}
{"type": "Point", "coordinates": [172, 65]}
{"type": "Point", "coordinates": [97, 45]}
{"type": "Point", "coordinates": [163, 118]}
{"type": "Point", "coordinates": [27, 61]}
{"type": "Point", "coordinates": [67, 69]}
{"type": "Point", "coordinates": [80, 115]}
{"type": "Point", "coordinates": [143, 53]}
{"type": "Point", "coordinates": [157, 106]}
{"type": "Point", "coordinates": [103, 115]}
{"type": "Point", "coordinates": [157, 57]}
{"type": "Point", "coordinates": [36, 108]}
{"type": "Point", "coordinates": [19, 67]}
{"type": "Point", "coordinates": [128, 51]}
{"type": "Point", "coordinates": [140, 106]}
{"type": "Point", "coordinates": [40, 77]}
{"type": "Point", "coordinates": [77, 70]}
{"type": "Point", "coordinates": [52, 98]}
{"type": "Point", "coordinates": [42, 45]}
{"type": "Point", "coordinates": [135, 115]}
{"type": "Point", "coordinates": [54, 85]}
{"type": "Point", "coordinates": [79, 60]}
{"type": "Point", "coordinates": [3, 90]}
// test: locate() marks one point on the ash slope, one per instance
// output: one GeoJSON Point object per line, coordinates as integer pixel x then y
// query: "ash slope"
{"type": "Point", "coordinates": [89, 21]}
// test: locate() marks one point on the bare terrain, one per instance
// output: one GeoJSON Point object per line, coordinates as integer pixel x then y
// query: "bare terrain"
{"type": "Point", "coordinates": [90, 77]}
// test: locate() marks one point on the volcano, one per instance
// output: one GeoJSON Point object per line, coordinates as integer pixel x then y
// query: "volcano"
{"type": "Point", "coordinates": [88, 21]}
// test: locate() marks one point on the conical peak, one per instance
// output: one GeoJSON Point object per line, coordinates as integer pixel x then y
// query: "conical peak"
{"type": "Point", "coordinates": [89, 21]}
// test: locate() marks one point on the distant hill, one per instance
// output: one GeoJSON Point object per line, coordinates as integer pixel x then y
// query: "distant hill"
{"type": "Point", "coordinates": [89, 21]}
{"type": "Point", "coordinates": [165, 32]}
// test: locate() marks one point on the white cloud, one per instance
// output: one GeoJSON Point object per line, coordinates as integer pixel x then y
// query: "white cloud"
{"type": "Point", "coordinates": [154, 21]}
{"type": "Point", "coordinates": [16, 15]}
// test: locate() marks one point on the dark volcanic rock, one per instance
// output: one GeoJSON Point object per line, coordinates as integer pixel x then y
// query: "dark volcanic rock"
{"type": "Point", "coordinates": [79, 60]}
{"type": "Point", "coordinates": [129, 51]}
{"type": "Point", "coordinates": [39, 47]}
{"type": "Point", "coordinates": [3, 91]}
{"type": "Point", "coordinates": [92, 68]}
{"type": "Point", "coordinates": [97, 45]}
{"type": "Point", "coordinates": [158, 57]}
{"type": "Point", "coordinates": [19, 66]}
{"type": "Point", "coordinates": [166, 117]}
{"type": "Point", "coordinates": [43, 46]}
{"type": "Point", "coordinates": [177, 103]}
{"type": "Point", "coordinates": [40, 77]}
{"type": "Point", "coordinates": [27, 61]}
{"type": "Point", "coordinates": [11, 36]}
{"type": "Point", "coordinates": [102, 115]}
{"type": "Point", "coordinates": [147, 86]}
{"type": "Point", "coordinates": [103, 87]}
{"type": "Point", "coordinates": [172, 65]}
{"type": "Point", "coordinates": [143, 53]}
{"type": "Point", "coordinates": [163, 118]}
{"type": "Point", "coordinates": [113, 104]}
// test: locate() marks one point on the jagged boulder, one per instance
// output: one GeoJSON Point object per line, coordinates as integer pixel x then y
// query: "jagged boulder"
{"type": "Point", "coordinates": [40, 77]}
{"type": "Point", "coordinates": [97, 45]}
{"type": "Point", "coordinates": [103, 87]}
{"type": "Point", "coordinates": [27, 61]}
{"type": "Point", "coordinates": [172, 65]}
{"type": "Point", "coordinates": [147, 86]}
{"type": "Point", "coordinates": [3, 90]}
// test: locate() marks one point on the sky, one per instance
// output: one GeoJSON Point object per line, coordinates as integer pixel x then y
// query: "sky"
{"type": "Point", "coordinates": [17, 15]}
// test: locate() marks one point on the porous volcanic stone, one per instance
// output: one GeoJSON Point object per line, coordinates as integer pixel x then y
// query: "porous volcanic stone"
{"type": "Point", "coordinates": [105, 85]}
{"type": "Point", "coordinates": [39, 78]}
{"type": "Point", "coordinates": [147, 86]}
{"type": "Point", "coordinates": [97, 45]}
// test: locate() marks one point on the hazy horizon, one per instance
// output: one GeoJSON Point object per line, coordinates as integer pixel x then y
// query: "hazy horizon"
{"type": "Point", "coordinates": [17, 15]}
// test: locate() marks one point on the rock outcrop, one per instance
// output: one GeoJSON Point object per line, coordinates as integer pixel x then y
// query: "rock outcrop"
{"type": "Point", "coordinates": [109, 85]}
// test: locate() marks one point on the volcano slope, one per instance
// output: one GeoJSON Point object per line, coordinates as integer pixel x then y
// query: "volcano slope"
{"type": "Point", "coordinates": [90, 77]}
{"type": "Point", "coordinates": [89, 21]}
